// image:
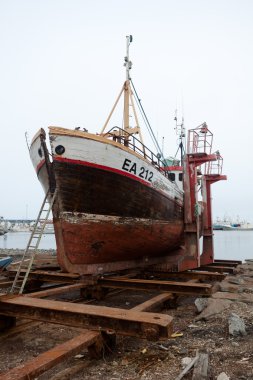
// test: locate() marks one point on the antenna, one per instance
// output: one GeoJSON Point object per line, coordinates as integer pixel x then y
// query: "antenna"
{"type": "Point", "coordinates": [180, 131]}
{"type": "Point", "coordinates": [128, 64]}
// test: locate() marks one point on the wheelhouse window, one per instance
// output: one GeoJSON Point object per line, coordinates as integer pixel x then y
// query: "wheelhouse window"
{"type": "Point", "coordinates": [180, 177]}
{"type": "Point", "coordinates": [172, 176]}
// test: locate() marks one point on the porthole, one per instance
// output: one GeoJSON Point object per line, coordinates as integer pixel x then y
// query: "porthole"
{"type": "Point", "coordinates": [40, 152]}
{"type": "Point", "coordinates": [59, 149]}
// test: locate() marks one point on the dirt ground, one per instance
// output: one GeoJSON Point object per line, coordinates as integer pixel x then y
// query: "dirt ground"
{"type": "Point", "coordinates": [140, 359]}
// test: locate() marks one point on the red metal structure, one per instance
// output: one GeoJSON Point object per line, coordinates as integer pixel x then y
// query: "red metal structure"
{"type": "Point", "coordinates": [198, 213]}
{"type": "Point", "coordinates": [201, 168]}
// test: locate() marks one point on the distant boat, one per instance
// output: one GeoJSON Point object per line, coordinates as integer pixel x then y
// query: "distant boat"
{"type": "Point", "coordinates": [20, 227]}
{"type": "Point", "coordinates": [48, 229]}
{"type": "Point", "coordinates": [3, 226]}
{"type": "Point", "coordinates": [2, 230]}
{"type": "Point", "coordinates": [228, 225]}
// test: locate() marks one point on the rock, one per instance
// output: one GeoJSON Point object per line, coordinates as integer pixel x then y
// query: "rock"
{"type": "Point", "coordinates": [235, 280]}
{"type": "Point", "coordinates": [235, 344]}
{"type": "Point", "coordinates": [185, 361]}
{"type": "Point", "coordinates": [223, 376]}
{"type": "Point", "coordinates": [201, 304]}
{"type": "Point", "coordinates": [182, 351]}
{"type": "Point", "coordinates": [124, 362]}
{"type": "Point", "coordinates": [226, 287]}
{"type": "Point", "coordinates": [214, 306]}
{"type": "Point", "coordinates": [236, 325]}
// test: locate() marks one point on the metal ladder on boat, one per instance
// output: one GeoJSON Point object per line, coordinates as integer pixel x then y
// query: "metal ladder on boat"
{"type": "Point", "coordinates": [32, 246]}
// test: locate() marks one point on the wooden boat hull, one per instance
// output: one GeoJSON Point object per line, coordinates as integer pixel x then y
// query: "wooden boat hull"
{"type": "Point", "coordinates": [107, 217]}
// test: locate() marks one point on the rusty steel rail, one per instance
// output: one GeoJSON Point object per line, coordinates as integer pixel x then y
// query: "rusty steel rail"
{"type": "Point", "coordinates": [198, 275]}
{"type": "Point", "coordinates": [164, 286]}
{"type": "Point", "coordinates": [8, 284]}
{"type": "Point", "coordinates": [47, 360]}
{"type": "Point", "coordinates": [124, 322]}
{"type": "Point", "coordinates": [236, 262]}
{"type": "Point", "coordinates": [48, 276]}
{"type": "Point", "coordinates": [224, 263]}
{"type": "Point", "coordinates": [218, 268]}
{"type": "Point", "coordinates": [56, 291]}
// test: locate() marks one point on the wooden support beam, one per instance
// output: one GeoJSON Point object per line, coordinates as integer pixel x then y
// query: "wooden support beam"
{"type": "Point", "coordinates": [164, 286]}
{"type": "Point", "coordinates": [47, 360]}
{"type": "Point", "coordinates": [125, 322]}
{"type": "Point", "coordinates": [200, 371]}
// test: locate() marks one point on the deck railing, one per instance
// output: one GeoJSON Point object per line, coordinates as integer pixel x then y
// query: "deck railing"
{"type": "Point", "coordinates": [121, 136]}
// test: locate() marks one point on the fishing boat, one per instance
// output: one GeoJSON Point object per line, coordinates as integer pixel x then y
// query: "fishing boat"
{"type": "Point", "coordinates": [227, 224]}
{"type": "Point", "coordinates": [47, 229]}
{"type": "Point", "coordinates": [118, 205]}
{"type": "Point", "coordinates": [115, 202]}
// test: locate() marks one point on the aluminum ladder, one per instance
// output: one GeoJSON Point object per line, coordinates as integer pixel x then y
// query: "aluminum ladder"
{"type": "Point", "coordinates": [32, 246]}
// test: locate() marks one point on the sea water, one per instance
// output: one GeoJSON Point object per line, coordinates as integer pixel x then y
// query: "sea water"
{"type": "Point", "coordinates": [19, 240]}
{"type": "Point", "coordinates": [233, 245]}
{"type": "Point", "coordinates": [228, 245]}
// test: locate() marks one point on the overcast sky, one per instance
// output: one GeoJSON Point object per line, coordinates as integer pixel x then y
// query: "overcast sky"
{"type": "Point", "coordinates": [62, 64]}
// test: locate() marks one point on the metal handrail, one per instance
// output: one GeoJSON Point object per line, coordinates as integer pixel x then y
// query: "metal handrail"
{"type": "Point", "coordinates": [143, 150]}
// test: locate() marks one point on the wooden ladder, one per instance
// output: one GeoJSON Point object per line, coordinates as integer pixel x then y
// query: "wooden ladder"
{"type": "Point", "coordinates": [32, 246]}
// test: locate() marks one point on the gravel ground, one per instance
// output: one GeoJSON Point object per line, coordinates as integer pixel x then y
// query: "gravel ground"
{"type": "Point", "coordinates": [140, 359]}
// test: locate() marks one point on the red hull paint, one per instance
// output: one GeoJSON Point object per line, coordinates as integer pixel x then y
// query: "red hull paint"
{"type": "Point", "coordinates": [91, 247]}
{"type": "Point", "coordinates": [116, 219]}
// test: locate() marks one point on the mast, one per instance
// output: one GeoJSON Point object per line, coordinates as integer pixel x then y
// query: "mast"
{"type": "Point", "coordinates": [128, 102]}
{"type": "Point", "coordinates": [127, 89]}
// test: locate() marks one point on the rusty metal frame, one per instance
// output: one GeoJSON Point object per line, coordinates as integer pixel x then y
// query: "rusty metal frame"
{"type": "Point", "coordinates": [125, 322]}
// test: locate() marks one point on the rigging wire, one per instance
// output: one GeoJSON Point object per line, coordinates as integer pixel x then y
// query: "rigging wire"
{"type": "Point", "coordinates": [146, 121]}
